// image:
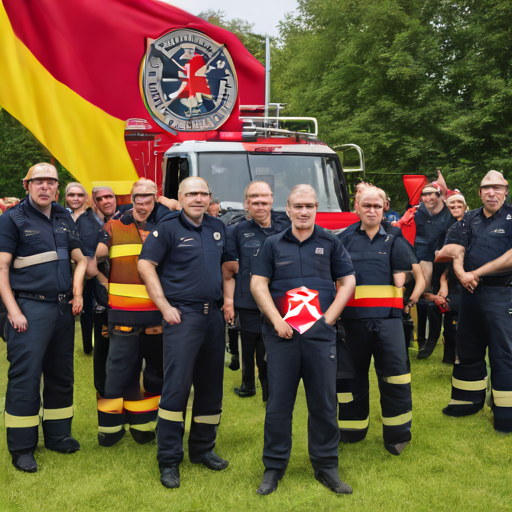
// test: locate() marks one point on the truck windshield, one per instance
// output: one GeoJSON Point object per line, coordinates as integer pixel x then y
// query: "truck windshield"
{"type": "Point", "coordinates": [229, 173]}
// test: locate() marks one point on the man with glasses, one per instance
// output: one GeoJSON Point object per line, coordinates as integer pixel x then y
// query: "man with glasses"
{"type": "Point", "coordinates": [135, 325]}
{"type": "Point", "coordinates": [301, 281]}
{"type": "Point", "coordinates": [481, 247]}
{"type": "Point", "coordinates": [373, 326]}
{"type": "Point", "coordinates": [244, 240]}
{"type": "Point", "coordinates": [181, 266]}
{"type": "Point", "coordinates": [38, 239]}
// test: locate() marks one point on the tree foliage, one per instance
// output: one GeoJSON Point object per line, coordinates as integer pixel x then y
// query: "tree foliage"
{"type": "Point", "coordinates": [20, 150]}
{"type": "Point", "coordinates": [417, 84]}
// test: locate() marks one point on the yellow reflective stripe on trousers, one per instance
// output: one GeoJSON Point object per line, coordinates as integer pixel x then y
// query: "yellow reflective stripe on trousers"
{"type": "Point", "coordinates": [460, 402]}
{"type": "Point", "coordinates": [397, 420]}
{"type": "Point", "coordinates": [212, 419]}
{"type": "Point", "coordinates": [110, 430]}
{"type": "Point", "coordinates": [467, 385]}
{"type": "Point", "coordinates": [354, 424]}
{"type": "Point", "coordinates": [118, 251]}
{"type": "Point", "coordinates": [502, 398]}
{"type": "Point", "coordinates": [58, 414]}
{"type": "Point", "coordinates": [170, 415]}
{"type": "Point", "coordinates": [398, 379]}
{"type": "Point", "coordinates": [148, 404]}
{"type": "Point", "coordinates": [137, 291]}
{"type": "Point", "coordinates": [145, 427]}
{"type": "Point", "coordinates": [110, 405]}
{"type": "Point", "coordinates": [345, 398]}
{"type": "Point", "coordinates": [21, 421]}
{"type": "Point", "coordinates": [378, 292]}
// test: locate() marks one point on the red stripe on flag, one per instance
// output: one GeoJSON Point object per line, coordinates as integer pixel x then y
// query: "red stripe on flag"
{"type": "Point", "coordinates": [95, 47]}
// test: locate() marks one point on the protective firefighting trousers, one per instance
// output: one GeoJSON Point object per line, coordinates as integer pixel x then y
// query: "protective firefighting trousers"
{"type": "Point", "coordinates": [384, 339]}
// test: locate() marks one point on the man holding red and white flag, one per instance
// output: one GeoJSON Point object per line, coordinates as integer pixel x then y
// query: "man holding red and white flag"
{"type": "Point", "coordinates": [302, 279]}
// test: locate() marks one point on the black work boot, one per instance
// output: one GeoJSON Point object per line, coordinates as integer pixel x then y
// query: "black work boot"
{"type": "Point", "coordinates": [235, 362]}
{"type": "Point", "coordinates": [329, 478]}
{"type": "Point", "coordinates": [212, 461]}
{"type": "Point", "coordinates": [108, 440]}
{"type": "Point", "coordinates": [142, 436]}
{"type": "Point", "coordinates": [396, 449]}
{"type": "Point", "coordinates": [57, 436]}
{"type": "Point", "coordinates": [24, 461]}
{"type": "Point", "coordinates": [170, 476]}
{"type": "Point", "coordinates": [243, 392]}
{"type": "Point", "coordinates": [462, 409]}
{"type": "Point", "coordinates": [270, 481]}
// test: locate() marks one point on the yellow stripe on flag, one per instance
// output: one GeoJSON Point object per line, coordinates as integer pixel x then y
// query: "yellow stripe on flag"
{"type": "Point", "coordinates": [137, 291]}
{"type": "Point", "coordinates": [85, 139]}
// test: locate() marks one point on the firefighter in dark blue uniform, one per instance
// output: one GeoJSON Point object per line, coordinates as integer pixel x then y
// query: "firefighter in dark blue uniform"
{"type": "Point", "coordinates": [293, 282]}
{"type": "Point", "coordinates": [480, 245]}
{"type": "Point", "coordinates": [180, 264]}
{"type": "Point", "coordinates": [372, 321]}
{"type": "Point", "coordinates": [244, 240]}
{"type": "Point", "coordinates": [37, 239]}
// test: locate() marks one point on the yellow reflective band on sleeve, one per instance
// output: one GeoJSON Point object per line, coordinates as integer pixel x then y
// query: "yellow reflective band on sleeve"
{"type": "Point", "coordinates": [118, 251]}
{"type": "Point", "coordinates": [36, 259]}
{"type": "Point", "coordinates": [148, 404]}
{"type": "Point", "coordinates": [110, 430]}
{"type": "Point", "coordinates": [398, 379]}
{"type": "Point", "coordinates": [145, 427]}
{"type": "Point", "coordinates": [170, 415]}
{"type": "Point", "coordinates": [21, 421]}
{"type": "Point", "coordinates": [345, 398]}
{"type": "Point", "coordinates": [502, 398]}
{"type": "Point", "coordinates": [378, 292]}
{"type": "Point", "coordinates": [466, 385]}
{"type": "Point", "coordinates": [354, 424]}
{"type": "Point", "coordinates": [397, 420]}
{"type": "Point", "coordinates": [137, 291]}
{"type": "Point", "coordinates": [214, 419]}
{"type": "Point", "coordinates": [58, 414]}
{"type": "Point", "coordinates": [110, 405]}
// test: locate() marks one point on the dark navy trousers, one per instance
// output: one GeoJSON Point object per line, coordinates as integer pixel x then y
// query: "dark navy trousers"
{"type": "Point", "coordinates": [193, 355]}
{"type": "Point", "coordinates": [485, 321]}
{"type": "Point", "coordinates": [45, 348]}
{"type": "Point", "coordinates": [312, 358]}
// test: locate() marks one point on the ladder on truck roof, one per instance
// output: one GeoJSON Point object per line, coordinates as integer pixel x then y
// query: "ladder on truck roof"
{"type": "Point", "coordinates": [254, 127]}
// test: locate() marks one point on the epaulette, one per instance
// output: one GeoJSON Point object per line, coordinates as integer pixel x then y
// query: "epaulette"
{"type": "Point", "coordinates": [18, 215]}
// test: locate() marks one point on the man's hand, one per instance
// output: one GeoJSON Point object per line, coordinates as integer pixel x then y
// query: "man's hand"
{"type": "Point", "coordinates": [283, 329]}
{"type": "Point", "coordinates": [229, 311]}
{"type": "Point", "coordinates": [19, 322]}
{"type": "Point", "coordinates": [468, 280]}
{"type": "Point", "coordinates": [78, 303]}
{"type": "Point", "coordinates": [172, 315]}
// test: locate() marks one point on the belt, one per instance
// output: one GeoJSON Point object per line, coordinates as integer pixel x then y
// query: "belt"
{"type": "Point", "coordinates": [43, 296]}
{"type": "Point", "coordinates": [204, 307]}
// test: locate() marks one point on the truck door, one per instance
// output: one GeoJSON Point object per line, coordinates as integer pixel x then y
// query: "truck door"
{"type": "Point", "coordinates": [178, 168]}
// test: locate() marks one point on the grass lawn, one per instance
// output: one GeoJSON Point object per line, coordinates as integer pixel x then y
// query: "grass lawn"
{"type": "Point", "coordinates": [451, 464]}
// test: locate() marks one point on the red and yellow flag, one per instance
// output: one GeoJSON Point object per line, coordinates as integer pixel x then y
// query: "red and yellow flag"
{"type": "Point", "coordinates": [70, 73]}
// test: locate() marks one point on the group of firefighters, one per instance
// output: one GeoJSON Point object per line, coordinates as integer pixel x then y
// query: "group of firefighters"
{"type": "Point", "coordinates": [165, 277]}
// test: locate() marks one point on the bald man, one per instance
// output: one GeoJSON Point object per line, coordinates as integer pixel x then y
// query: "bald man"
{"type": "Point", "coordinates": [481, 247]}
{"type": "Point", "coordinates": [180, 264]}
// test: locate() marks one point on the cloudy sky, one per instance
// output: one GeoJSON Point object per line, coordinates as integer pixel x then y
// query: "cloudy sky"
{"type": "Point", "coordinates": [265, 14]}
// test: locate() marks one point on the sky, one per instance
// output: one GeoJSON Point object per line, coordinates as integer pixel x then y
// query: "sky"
{"type": "Point", "coordinates": [265, 14]}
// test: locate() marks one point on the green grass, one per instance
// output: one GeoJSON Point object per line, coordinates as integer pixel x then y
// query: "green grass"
{"type": "Point", "coordinates": [451, 464]}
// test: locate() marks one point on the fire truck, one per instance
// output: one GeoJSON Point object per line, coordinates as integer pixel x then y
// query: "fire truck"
{"type": "Point", "coordinates": [189, 86]}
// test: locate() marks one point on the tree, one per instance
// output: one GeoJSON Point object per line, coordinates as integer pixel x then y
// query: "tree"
{"type": "Point", "coordinates": [20, 150]}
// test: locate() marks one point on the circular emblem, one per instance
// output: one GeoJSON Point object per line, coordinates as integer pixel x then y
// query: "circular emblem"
{"type": "Point", "coordinates": [216, 235]}
{"type": "Point", "coordinates": [155, 234]}
{"type": "Point", "coordinates": [188, 81]}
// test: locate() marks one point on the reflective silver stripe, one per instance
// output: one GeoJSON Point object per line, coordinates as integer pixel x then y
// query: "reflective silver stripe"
{"type": "Point", "coordinates": [398, 379]}
{"type": "Point", "coordinates": [21, 421]}
{"type": "Point", "coordinates": [466, 385]}
{"type": "Point", "coordinates": [110, 430]}
{"type": "Point", "coordinates": [354, 424]}
{"type": "Point", "coordinates": [212, 419]}
{"type": "Point", "coordinates": [58, 414]}
{"type": "Point", "coordinates": [145, 427]}
{"type": "Point", "coordinates": [170, 415]}
{"type": "Point", "coordinates": [502, 398]}
{"type": "Point", "coordinates": [397, 420]}
{"type": "Point", "coordinates": [36, 259]}
{"type": "Point", "coordinates": [345, 398]}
